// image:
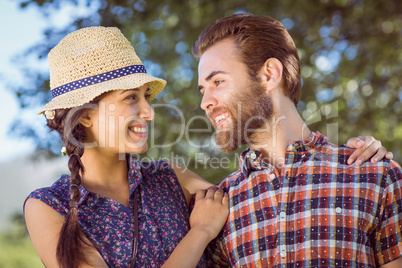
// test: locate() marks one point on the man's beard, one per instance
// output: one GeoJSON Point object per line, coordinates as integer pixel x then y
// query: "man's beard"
{"type": "Point", "coordinates": [250, 110]}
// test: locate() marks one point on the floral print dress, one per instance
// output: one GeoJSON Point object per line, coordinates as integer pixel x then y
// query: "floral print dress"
{"type": "Point", "coordinates": [162, 215]}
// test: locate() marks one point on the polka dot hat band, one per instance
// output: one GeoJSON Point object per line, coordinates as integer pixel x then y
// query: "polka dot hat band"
{"type": "Point", "coordinates": [91, 61]}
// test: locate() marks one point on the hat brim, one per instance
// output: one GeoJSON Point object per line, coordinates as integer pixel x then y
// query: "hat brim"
{"type": "Point", "coordinates": [86, 94]}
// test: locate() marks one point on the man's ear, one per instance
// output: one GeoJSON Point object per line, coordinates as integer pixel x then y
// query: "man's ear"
{"type": "Point", "coordinates": [271, 73]}
{"type": "Point", "coordinates": [86, 119]}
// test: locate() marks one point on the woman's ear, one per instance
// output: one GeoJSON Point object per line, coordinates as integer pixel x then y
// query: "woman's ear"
{"type": "Point", "coordinates": [271, 73]}
{"type": "Point", "coordinates": [86, 119]}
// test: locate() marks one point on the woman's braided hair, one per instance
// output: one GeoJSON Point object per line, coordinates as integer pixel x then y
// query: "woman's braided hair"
{"type": "Point", "coordinates": [72, 239]}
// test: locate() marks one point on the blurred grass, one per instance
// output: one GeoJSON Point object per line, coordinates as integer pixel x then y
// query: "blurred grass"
{"type": "Point", "coordinates": [16, 251]}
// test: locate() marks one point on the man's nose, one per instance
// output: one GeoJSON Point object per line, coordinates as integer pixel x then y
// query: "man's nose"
{"type": "Point", "coordinates": [208, 101]}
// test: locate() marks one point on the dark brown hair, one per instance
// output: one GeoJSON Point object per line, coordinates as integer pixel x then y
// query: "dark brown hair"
{"type": "Point", "coordinates": [72, 238]}
{"type": "Point", "coordinates": [258, 38]}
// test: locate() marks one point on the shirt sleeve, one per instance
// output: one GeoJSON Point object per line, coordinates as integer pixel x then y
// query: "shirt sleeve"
{"type": "Point", "coordinates": [389, 236]}
{"type": "Point", "coordinates": [215, 253]}
{"type": "Point", "coordinates": [56, 196]}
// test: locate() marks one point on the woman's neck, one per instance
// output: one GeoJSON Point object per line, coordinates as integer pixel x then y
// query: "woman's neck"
{"type": "Point", "coordinates": [105, 174]}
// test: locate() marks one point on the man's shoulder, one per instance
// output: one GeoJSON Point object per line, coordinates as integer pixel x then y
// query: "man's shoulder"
{"type": "Point", "coordinates": [225, 183]}
{"type": "Point", "coordinates": [337, 155]}
{"type": "Point", "coordinates": [330, 148]}
{"type": "Point", "coordinates": [394, 170]}
{"type": "Point", "coordinates": [331, 153]}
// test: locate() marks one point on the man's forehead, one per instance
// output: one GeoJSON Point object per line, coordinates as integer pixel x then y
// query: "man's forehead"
{"type": "Point", "coordinates": [224, 66]}
{"type": "Point", "coordinates": [223, 49]}
{"type": "Point", "coordinates": [217, 58]}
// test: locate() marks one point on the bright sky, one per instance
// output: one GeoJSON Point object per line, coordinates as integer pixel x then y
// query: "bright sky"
{"type": "Point", "coordinates": [20, 29]}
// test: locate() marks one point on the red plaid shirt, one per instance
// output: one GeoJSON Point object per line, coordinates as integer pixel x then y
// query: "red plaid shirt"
{"type": "Point", "coordinates": [317, 211]}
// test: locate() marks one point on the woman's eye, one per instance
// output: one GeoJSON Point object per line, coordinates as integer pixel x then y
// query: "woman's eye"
{"type": "Point", "coordinates": [147, 96]}
{"type": "Point", "coordinates": [131, 97]}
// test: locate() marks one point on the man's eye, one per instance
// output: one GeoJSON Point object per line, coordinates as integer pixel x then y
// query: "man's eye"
{"type": "Point", "coordinates": [218, 82]}
{"type": "Point", "coordinates": [147, 96]}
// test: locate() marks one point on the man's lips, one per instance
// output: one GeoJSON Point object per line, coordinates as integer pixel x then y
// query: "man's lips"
{"type": "Point", "coordinates": [220, 118]}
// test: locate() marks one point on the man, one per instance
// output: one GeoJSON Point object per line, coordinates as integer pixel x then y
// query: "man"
{"type": "Point", "coordinates": [295, 201]}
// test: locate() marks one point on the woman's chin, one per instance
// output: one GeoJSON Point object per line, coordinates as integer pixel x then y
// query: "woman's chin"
{"type": "Point", "coordinates": [137, 150]}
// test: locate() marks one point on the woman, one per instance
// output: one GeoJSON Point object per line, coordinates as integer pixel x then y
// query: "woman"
{"type": "Point", "coordinates": [114, 211]}
{"type": "Point", "coordinates": [117, 212]}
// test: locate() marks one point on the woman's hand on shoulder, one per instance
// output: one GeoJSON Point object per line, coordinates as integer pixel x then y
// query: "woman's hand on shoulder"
{"type": "Point", "coordinates": [210, 211]}
{"type": "Point", "coordinates": [367, 148]}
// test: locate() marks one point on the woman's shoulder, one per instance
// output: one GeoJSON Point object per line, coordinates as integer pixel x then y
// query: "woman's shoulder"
{"type": "Point", "coordinates": [56, 196]}
{"type": "Point", "coordinates": [156, 173]}
{"type": "Point", "coordinates": [157, 166]}
{"type": "Point", "coordinates": [150, 167]}
{"type": "Point", "coordinates": [159, 171]}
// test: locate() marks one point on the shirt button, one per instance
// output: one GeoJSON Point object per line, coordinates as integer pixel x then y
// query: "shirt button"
{"type": "Point", "coordinates": [272, 176]}
{"type": "Point", "coordinates": [338, 210]}
{"type": "Point", "coordinates": [283, 254]}
{"type": "Point", "coordinates": [282, 214]}
{"type": "Point", "coordinates": [253, 156]}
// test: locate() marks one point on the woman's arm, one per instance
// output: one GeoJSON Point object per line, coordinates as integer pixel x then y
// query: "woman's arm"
{"type": "Point", "coordinates": [394, 264]}
{"type": "Point", "coordinates": [44, 225]}
{"type": "Point", "coordinates": [207, 219]}
{"type": "Point", "coordinates": [189, 181]}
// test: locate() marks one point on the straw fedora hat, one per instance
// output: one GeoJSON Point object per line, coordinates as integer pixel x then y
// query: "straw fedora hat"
{"type": "Point", "coordinates": [91, 61]}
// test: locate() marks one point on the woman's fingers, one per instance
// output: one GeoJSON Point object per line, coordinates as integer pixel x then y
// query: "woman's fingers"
{"type": "Point", "coordinates": [200, 194]}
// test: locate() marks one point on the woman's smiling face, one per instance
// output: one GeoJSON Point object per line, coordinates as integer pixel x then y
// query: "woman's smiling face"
{"type": "Point", "coordinates": [119, 124]}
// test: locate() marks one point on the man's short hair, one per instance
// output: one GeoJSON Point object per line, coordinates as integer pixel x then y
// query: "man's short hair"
{"type": "Point", "coordinates": [258, 38]}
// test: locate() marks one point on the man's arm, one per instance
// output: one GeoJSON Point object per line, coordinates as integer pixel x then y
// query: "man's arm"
{"type": "Point", "coordinates": [388, 248]}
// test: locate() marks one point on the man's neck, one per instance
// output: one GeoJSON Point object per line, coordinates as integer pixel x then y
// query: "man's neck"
{"type": "Point", "coordinates": [285, 126]}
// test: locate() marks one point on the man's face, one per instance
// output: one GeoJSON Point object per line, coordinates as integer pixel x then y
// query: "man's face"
{"type": "Point", "coordinates": [235, 104]}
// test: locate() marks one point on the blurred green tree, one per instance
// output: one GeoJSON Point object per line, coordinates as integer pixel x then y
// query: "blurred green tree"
{"type": "Point", "coordinates": [350, 52]}
{"type": "Point", "coordinates": [16, 247]}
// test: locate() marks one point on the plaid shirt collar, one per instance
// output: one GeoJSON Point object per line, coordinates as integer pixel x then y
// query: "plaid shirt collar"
{"type": "Point", "coordinates": [251, 159]}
